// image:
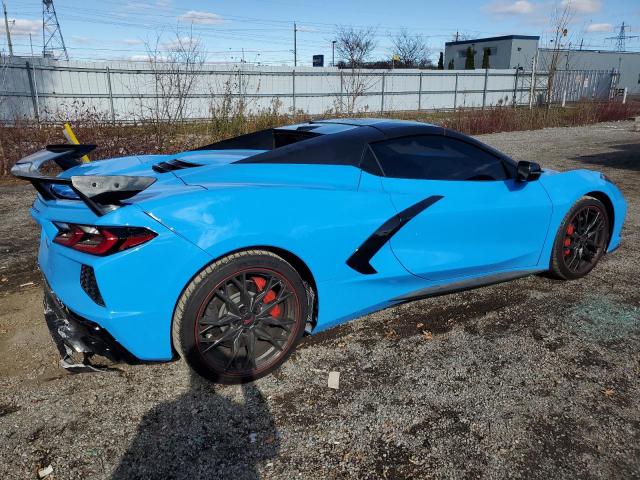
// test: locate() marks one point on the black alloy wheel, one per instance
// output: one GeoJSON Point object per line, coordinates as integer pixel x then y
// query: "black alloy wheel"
{"type": "Point", "coordinates": [246, 316]}
{"type": "Point", "coordinates": [581, 240]}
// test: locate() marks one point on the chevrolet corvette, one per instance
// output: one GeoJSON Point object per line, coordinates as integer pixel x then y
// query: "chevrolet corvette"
{"type": "Point", "coordinates": [228, 254]}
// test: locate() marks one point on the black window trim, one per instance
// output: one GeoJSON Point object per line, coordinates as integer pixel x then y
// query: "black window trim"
{"type": "Point", "coordinates": [506, 165]}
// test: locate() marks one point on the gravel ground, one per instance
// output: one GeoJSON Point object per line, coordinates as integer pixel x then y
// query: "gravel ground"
{"type": "Point", "coordinates": [530, 379]}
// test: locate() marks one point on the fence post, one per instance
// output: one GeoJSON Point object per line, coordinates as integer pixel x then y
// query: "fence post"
{"type": "Point", "coordinates": [293, 90]}
{"type": "Point", "coordinates": [515, 89]}
{"type": "Point", "coordinates": [484, 90]}
{"type": "Point", "coordinates": [420, 93]}
{"type": "Point", "coordinates": [341, 90]}
{"type": "Point", "coordinates": [624, 96]}
{"type": "Point", "coordinates": [382, 97]}
{"type": "Point", "coordinates": [455, 93]}
{"type": "Point", "coordinates": [34, 98]}
{"type": "Point", "coordinates": [113, 112]}
{"type": "Point", "coordinates": [533, 80]}
{"type": "Point", "coordinates": [564, 98]}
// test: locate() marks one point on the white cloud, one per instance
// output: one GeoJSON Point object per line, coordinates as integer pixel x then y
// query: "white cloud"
{"type": "Point", "coordinates": [600, 27]}
{"type": "Point", "coordinates": [201, 18]}
{"type": "Point", "coordinates": [182, 43]}
{"type": "Point", "coordinates": [21, 26]}
{"type": "Point", "coordinates": [583, 6]}
{"type": "Point", "coordinates": [147, 58]}
{"type": "Point", "coordinates": [82, 40]}
{"type": "Point", "coordinates": [519, 7]}
{"type": "Point", "coordinates": [131, 41]}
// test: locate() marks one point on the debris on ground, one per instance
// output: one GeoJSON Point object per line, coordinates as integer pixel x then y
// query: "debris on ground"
{"type": "Point", "coordinates": [334, 380]}
{"type": "Point", "coordinates": [45, 472]}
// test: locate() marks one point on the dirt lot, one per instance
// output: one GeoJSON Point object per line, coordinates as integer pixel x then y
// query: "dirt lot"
{"type": "Point", "coordinates": [531, 379]}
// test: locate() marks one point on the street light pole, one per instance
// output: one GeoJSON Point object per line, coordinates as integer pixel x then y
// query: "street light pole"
{"type": "Point", "coordinates": [333, 53]}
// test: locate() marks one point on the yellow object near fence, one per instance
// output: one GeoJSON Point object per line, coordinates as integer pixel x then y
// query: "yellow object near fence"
{"type": "Point", "coordinates": [71, 137]}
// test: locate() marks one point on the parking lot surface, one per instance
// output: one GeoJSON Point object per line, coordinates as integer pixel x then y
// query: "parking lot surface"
{"type": "Point", "coordinates": [535, 378]}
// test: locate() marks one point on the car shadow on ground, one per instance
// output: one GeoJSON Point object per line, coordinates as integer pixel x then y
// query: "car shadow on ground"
{"type": "Point", "coordinates": [624, 157]}
{"type": "Point", "coordinates": [202, 434]}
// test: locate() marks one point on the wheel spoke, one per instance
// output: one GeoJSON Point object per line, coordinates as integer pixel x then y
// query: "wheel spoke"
{"type": "Point", "coordinates": [282, 296]}
{"type": "Point", "coordinates": [250, 344]}
{"type": "Point", "coordinates": [278, 322]}
{"type": "Point", "coordinates": [231, 305]}
{"type": "Point", "coordinates": [241, 285]}
{"type": "Point", "coordinates": [225, 336]}
{"type": "Point", "coordinates": [265, 336]}
{"type": "Point", "coordinates": [235, 348]}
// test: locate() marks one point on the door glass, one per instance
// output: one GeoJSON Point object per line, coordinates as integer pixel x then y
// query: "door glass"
{"type": "Point", "coordinates": [436, 157]}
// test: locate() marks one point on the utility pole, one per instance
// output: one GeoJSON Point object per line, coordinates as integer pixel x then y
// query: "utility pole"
{"type": "Point", "coordinates": [457, 35]}
{"type": "Point", "coordinates": [6, 26]}
{"type": "Point", "coordinates": [31, 44]}
{"type": "Point", "coordinates": [333, 53]}
{"type": "Point", "coordinates": [295, 45]}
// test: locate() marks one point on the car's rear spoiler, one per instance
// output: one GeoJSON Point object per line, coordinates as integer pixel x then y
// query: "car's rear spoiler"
{"type": "Point", "coordinates": [100, 193]}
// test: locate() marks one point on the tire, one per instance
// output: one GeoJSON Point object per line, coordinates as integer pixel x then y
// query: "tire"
{"type": "Point", "coordinates": [241, 317]}
{"type": "Point", "coordinates": [578, 247]}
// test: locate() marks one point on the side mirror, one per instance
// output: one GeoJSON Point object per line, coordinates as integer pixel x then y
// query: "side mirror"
{"type": "Point", "coordinates": [528, 171]}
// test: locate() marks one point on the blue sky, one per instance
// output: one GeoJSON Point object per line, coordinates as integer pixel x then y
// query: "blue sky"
{"type": "Point", "coordinates": [120, 29]}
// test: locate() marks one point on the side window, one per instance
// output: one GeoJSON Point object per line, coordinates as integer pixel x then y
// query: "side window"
{"type": "Point", "coordinates": [436, 157]}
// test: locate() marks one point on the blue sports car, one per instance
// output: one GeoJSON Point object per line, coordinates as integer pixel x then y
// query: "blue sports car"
{"type": "Point", "coordinates": [226, 255]}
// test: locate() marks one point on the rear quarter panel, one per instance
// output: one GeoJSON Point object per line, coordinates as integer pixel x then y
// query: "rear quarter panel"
{"type": "Point", "coordinates": [321, 225]}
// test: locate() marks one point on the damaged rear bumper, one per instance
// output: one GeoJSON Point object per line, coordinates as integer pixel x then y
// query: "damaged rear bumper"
{"type": "Point", "coordinates": [72, 333]}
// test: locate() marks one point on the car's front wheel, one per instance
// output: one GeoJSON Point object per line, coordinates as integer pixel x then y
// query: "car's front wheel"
{"type": "Point", "coordinates": [581, 240]}
{"type": "Point", "coordinates": [241, 317]}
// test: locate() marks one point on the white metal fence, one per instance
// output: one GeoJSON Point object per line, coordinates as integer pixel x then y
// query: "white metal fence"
{"type": "Point", "coordinates": [42, 89]}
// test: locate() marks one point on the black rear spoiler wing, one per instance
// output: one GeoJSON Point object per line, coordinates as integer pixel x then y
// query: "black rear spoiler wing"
{"type": "Point", "coordinates": [101, 193]}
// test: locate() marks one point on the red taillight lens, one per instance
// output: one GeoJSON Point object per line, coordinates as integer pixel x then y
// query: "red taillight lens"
{"type": "Point", "coordinates": [100, 240]}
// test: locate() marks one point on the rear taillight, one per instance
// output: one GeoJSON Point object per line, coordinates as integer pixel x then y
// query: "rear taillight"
{"type": "Point", "coordinates": [100, 240]}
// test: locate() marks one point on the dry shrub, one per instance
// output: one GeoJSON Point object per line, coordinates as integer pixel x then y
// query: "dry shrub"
{"type": "Point", "coordinates": [24, 137]}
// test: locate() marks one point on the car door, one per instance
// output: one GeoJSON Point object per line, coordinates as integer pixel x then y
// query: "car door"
{"type": "Point", "coordinates": [468, 216]}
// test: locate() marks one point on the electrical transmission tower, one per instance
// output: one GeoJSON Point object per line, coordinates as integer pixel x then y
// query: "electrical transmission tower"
{"type": "Point", "coordinates": [621, 38]}
{"type": "Point", "coordinates": [52, 41]}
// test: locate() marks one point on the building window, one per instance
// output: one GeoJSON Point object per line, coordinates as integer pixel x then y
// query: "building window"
{"type": "Point", "coordinates": [491, 50]}
{"type": "Point", "coordinates": [519, 49]}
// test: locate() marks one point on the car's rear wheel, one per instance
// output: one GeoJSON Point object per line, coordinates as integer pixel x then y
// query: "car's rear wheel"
{"type": "Point", "coordinates": [581, 240]}
{"type": "Point", "coordinates": [241, 317]}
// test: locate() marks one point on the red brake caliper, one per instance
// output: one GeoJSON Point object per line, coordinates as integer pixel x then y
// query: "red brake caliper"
{"type": "Point", "coordinates": [269, 297]}
{"type": "Point", "coordinates": [567, 240]}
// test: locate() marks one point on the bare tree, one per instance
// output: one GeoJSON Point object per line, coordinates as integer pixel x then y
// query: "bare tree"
{"type": "Point", "coordinates": [413, 50]}
{"type": "Point", "coordinates": [174, 65]}
{"type": "Point", "coordinates": [560, 19]}
{"type": "Point", "coordinates": [354, 48]}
